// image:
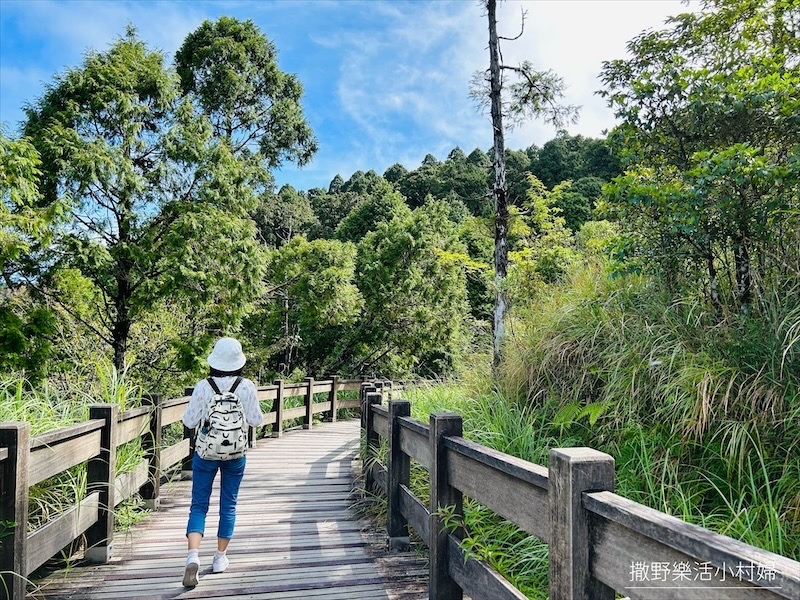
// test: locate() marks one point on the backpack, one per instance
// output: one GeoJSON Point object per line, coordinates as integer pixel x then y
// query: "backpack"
{"type": "Point", "coordinates": [223, 433]}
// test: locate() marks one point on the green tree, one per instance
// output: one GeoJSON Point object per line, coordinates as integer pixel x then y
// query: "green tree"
{"type": "Point", "coordinates": [395, 173]}
{"type": "Point", "coordinates": [380, 204]}
{"type": "Point", "coordinates": [24, 221]}
{"type": "Point", "coordinates": [279, 217]}
{"type": "Point", "coordinates": [710, 136]}
{"type": "Point", "coordinates": [157, 205]}
{"type": "Point", "coordinates": [330, 209]}
{"type": "Point", "coordinates": [567, 157]}
{"type": "Point", "coordinates": [311, 303]}
{"type": "Point", "coordinates": [231, 69]}
{"type": "Point", "coordinates": [411, 275]}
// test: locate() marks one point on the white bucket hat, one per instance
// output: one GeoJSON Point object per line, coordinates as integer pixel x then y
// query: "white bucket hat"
{"type": "Point", "coordinates": [227, 355]}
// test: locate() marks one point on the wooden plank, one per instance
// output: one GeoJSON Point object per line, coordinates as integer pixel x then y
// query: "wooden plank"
{"type": "Point", "coordinates": [414, 441]}
{"type": "Point", "coordinates": [172, 402]}
{"type": "Point", "coordinates": [294, 413]}
{"type": "Point", "coordinates": [352, 403]}
{"type": "Point", "coordinates": [269, 393]}
{"type": "Point", "coordinates": [60, 455]}
{"type": "Point", "coordinates": [320, 407]}
{"type": "Point", "coordinates": [476, 577]}
{"type": "Point", "coordinates": [132, 427]}
{"type": "Point", "coordinates": [172, 413]}
{"type": "Point", "coordinates": [644, 569]}
{"type": "Point", "coordinates": [511, 487]}
{"type": "Point", "coordinates": [49, 539]}
{"type": "Point", "coordinates": [416, 513]}
{"type": "Point", "coordinates": [63, 434]}
{"type": "Point", "coordinates": [633, 530]}
{"type": "Point", "coordinates": [380, 420]}
{"type": "Point", "coordinates": [295, 389]}
{"type": "Point", "coordinates": [323, 386]}
{"type": "Point", "coordinates": [127, 484]}
{"type": "Point", "coordinates": [381, 477]}
{"type": "Point", "coordinates": [173, 454]}
{"type": "Point", "coordinates": [350, 385]}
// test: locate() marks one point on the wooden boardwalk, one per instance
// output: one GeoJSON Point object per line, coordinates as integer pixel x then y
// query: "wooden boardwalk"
{"type": "Point", "coordinates": [297, 536]}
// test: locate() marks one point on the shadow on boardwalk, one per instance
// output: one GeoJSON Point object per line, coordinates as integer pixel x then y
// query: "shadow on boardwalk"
{"type": "Point", "coordinates": [297, 536]}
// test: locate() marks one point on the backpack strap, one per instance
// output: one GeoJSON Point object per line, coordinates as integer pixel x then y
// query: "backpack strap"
{"type": "Point", "coordinates": [213, 385]}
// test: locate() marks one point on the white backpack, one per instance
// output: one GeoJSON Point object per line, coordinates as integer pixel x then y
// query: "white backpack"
{"type": "Point", "coordinates": [223, 433]}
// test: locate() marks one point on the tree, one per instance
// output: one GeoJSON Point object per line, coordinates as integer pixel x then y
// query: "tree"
{"type": "Point", "coordinates": [24, 221]}
{"type": "Point", "coordinates": [330, 209]}
{"type": "Point", "coordinates": [230, 68]}
{"type": "Point", "coordinates": [381, 204]}
{"type": "Point", "coordinates": [156, 205]}
{"type": "Point", "coordinates": [709, 136]}
{"type": "Point", "coordinates": [410, 273]}
{"type": "Point", "coordinates": [567, 157]}
{"type": "Point", "coordinates": [311, 302]}
{"type": "Point", "coordinates": [279, 217]}
{"type": "Point", "coordinates": [533, 94]}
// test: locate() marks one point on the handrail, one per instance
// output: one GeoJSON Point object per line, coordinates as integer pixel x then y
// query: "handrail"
{"type": "Point", "coordinates": [598, 541]}
{"type": "Point", "coordinates": [26, 461]}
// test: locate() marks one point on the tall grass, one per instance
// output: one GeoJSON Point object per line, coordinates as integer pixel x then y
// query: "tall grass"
{"type": "Point", "coordinates": [46, 408]}
{"type": "Point", "coordinates": [700, 409]}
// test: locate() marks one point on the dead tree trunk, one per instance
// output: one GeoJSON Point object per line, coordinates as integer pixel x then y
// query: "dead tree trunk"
{"type": "Point", "coordinates": [499, 191]}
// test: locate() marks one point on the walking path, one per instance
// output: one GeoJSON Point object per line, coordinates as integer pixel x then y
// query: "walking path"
{"type": "Point", "coordinates": [297, 536]}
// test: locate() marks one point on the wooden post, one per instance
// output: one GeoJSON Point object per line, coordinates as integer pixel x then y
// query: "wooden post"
{"type": "Point", "coordinates": [367, 388]}
{"type": "Point", "coordinates": [373, 440]}
{"type": "Point", "coordinates": [186, 463]}
{"type": "Point", "coordinates": [332, 398]}
{"type": "Point", "coordinates": [15, 437]}
{"type": "Point", "coordinates": [442, 494]}
{"type": "Point", "coordinates": [379, 388]}
{"type": "Point", "coordinates": [308, 420]}
{"type": "Point", "coordinates": [277, 408]}
{"type": "Point", "coordinates": [101, 477]}
{"type": "Point", "coordinates": [399, 469]}
{"type": "Point", "coordinates": [573, 471]}
{"type": "Point", "coordinates": [151, 443]}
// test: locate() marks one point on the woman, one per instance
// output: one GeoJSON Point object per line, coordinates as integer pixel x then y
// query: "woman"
{"type": "Point", "coordinates": [225, 361]}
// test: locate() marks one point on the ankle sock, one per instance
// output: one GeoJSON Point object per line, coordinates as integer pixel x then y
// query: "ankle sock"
{"type": "Point", "coordinates": [193, 556]}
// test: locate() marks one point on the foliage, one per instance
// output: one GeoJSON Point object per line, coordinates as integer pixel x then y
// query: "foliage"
{"type": "Point", "coordinates": [231, 70]}
{"type": "Point", "coordinates": [380, 206]}
{"type": "Point", "coordinates": [311, 303]}
{"type": "Point", "coordinates": [24, 222]}
{"type": "Point", "coordinates": [567, 157]}
{"type": "Point", "coordinates": [416, 260]}
{"type": "Point", "coordinates": [710, 136]}
{"type": "Point", "coordinates": [279, 217]}
{"type": "Point", "coordinates": [157, 207]}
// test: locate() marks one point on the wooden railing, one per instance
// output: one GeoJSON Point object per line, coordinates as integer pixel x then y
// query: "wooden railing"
{"type": "Point", "coordinates": [598, 541]}
{"type": "Point", "coordinates": [26, 461]}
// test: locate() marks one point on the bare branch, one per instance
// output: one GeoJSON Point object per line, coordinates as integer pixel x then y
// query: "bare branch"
{"type": "Point", "coordinates": [521, 29]}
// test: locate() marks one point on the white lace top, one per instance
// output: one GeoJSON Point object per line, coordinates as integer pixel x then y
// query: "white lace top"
{"type": "Point", "coordinates": [198, 404]}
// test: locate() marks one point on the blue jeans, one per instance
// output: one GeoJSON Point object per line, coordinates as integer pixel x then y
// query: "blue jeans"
{"type": "Point", "coordinates": [203, 473]}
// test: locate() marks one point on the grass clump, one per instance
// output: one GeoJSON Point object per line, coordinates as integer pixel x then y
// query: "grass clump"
{"type": "Point", "coordinates": [699, 409]}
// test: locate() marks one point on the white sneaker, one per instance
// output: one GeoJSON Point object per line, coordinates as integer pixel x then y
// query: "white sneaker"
{"type": "Point", "coordinates": [220, 563]}
{"type": "Point", "coordinates": [190, 576]}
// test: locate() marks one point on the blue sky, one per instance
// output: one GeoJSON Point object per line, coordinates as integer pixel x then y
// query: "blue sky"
{"type": "Point", "coordinates": [385, 81]}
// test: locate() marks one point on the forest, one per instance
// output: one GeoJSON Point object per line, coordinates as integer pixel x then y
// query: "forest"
{"type": "Point", "coordinates": [653, 278]}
